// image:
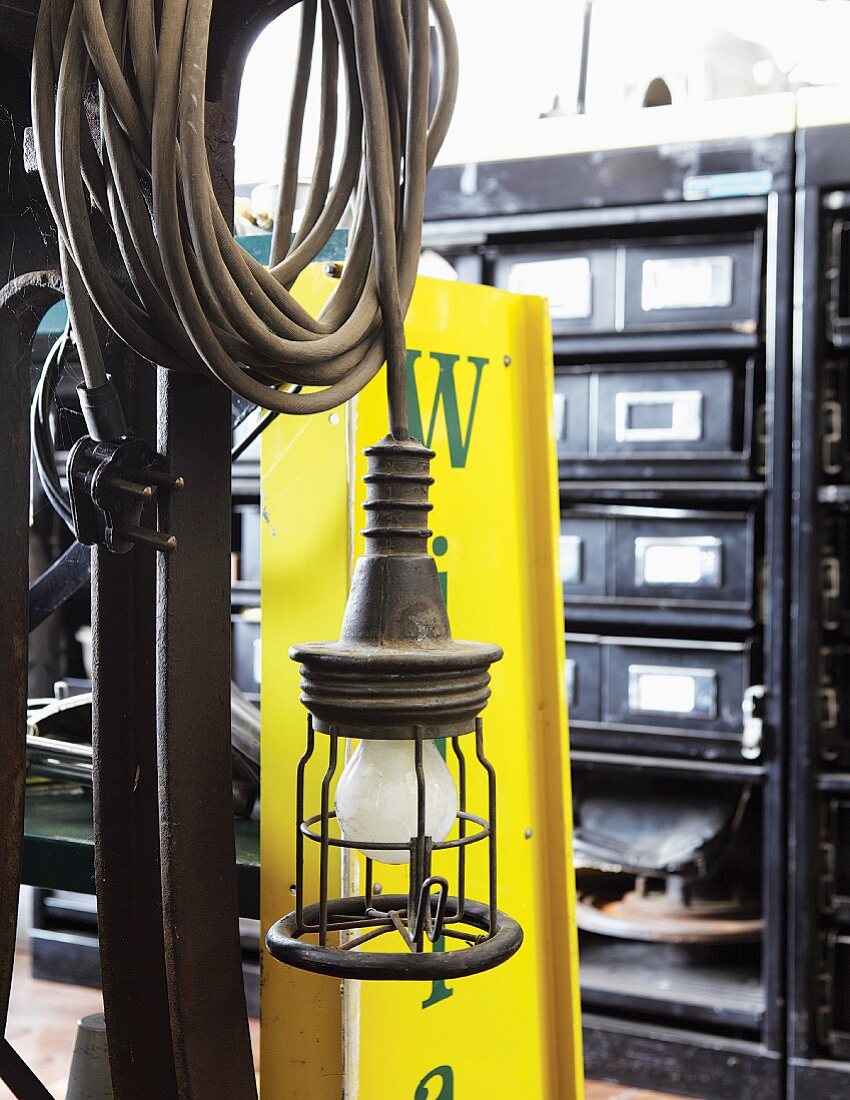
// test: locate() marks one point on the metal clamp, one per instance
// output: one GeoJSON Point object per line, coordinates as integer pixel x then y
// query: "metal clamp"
{"type": "Point", "coordinates": [751, 738]}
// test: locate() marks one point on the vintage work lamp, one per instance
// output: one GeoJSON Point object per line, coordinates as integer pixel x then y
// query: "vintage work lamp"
{"type": "Point", "coordinates": [397, 682]}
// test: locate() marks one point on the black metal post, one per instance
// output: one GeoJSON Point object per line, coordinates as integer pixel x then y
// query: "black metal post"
{"type": "Point", "coordinates": [14, 540]}
{"type": "Point", "coordinates": [209, 1023]}
{"type": "Point", "coordinates": [126, 811]}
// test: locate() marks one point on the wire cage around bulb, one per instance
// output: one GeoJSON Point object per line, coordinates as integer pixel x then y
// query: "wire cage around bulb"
{"type": "Point", "coordinates": [395, 675]}
{"type": "Point", "coordinates": [427, 912]}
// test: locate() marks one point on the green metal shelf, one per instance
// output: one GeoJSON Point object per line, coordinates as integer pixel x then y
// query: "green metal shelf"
{"type": "Point", "coordinates": [59, 846]}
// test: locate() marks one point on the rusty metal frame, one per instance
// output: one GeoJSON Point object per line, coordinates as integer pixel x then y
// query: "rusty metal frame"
{"type": "Point", "coordinates": [173, 999]}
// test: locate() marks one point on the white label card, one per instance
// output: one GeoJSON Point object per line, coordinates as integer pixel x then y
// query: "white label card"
{"type": "Point", "coordinates": [687, 282]}
{"type": "Point", "coordinates": [566, 282]}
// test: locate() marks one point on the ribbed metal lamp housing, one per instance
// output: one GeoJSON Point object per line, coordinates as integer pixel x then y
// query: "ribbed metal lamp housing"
{"type": "Point", "coordinates": [396, 664]}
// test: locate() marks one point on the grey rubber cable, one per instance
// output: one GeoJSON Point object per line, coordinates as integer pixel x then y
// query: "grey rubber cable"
{"type": "Point", "coordinates": [201, 302]}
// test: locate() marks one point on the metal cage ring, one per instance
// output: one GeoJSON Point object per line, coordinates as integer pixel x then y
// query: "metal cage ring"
{"type": "Point", "coordinates": [284, 943]}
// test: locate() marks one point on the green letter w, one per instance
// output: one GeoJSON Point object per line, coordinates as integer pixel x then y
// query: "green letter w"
{"type": "Point", "coordinates": [446, 392]}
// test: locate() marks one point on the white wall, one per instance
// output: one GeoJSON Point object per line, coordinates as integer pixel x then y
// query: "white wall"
{"type": "Point", "coordinates": [515, 58]}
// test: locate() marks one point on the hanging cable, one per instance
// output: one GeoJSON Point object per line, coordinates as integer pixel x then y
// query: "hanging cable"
{"type": "Point", "coordinates": [201, 302]}
{"type": "Point", "coordinates": [41, 412]}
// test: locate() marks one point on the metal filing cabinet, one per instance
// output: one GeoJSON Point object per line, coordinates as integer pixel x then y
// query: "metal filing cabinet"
{"type": "Point", "coordinates": [671, 334]}
{"type": "Point", "coordinates": [819, 782]}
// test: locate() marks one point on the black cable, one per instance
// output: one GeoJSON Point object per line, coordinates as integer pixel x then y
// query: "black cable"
{"type": "Point", "coordinates": [41, 412]}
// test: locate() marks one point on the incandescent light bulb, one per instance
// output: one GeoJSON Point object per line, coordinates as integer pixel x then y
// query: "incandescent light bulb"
{"type": "Point", "coordinates": [376, 797]}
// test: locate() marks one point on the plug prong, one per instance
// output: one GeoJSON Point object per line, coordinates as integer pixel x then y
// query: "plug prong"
{"type": "Point", "coordinates": [147, 536]}
{"type": "Point", "coordinates": [166, 480]}
{"type": "Point", "coordinates": [132, 488]}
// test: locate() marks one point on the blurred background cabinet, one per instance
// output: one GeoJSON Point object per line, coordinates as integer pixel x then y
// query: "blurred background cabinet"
{"type": "Point", "coordinates": [671, 318]}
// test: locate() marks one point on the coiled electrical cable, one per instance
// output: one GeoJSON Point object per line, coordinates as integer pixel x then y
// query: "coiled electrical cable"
{"type": "Point", "coordinates": [201, 302]}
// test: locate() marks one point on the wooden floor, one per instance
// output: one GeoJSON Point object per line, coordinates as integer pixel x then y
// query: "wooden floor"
{"type": "Point", "coordinates": [42, 1028]}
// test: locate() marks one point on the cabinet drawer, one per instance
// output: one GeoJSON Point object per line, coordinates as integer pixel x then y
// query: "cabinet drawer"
{"type": "Point", "coordinates": [838, 283]}
{"type": "Point", "coordinates": [643, 417]}
{"type": "Point", "coordinates": [834, 575]}
{"type": "Point", "coordinates": [583, 553]}
{"type": "Point", "coordinates": [835, 419]}
{"type": "Point", "coordinates": [834, 854]}
{"type": "Point", "coordinates": [580, 284]}
{"type": "Point", "coordinates": [834, 1020]}
{"type": "Point", "coordinates": [659, 564]}
{"type": "Point", "coordinates": [583, 678]}
{"type": "Point", "coordinates": [694, 285]}
{"type": "Point", "coordinates": [672, 688]}
{"type": "Point", "coordinates": [665, 284]}
{"type": "Point", "coordinates": [832, 705]}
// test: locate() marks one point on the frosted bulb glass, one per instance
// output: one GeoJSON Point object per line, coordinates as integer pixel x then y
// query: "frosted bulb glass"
{"type": "Point", "coordinates": [376, 797]}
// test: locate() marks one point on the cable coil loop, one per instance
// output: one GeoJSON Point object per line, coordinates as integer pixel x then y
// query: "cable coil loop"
{"type": "Point", "coordinates": [201, 302]}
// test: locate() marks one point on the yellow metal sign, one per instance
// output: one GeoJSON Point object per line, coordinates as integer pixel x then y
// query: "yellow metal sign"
{"type": "Point", "coordinates": [480, 389]}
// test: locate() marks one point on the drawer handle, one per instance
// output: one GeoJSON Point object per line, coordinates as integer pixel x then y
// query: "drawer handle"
{"type": "Point", "coordinates": [688, 692]}
{"type": "Point", "coordinates": [827, 708]}
{"type": "Point", "coordinates": [571, 551]}
{"type": "Point", "coordinates": [830, 592]}
{"type": "Point", "coordinates": [681, 424]}
{"type": "Point", "coordinates": [687, 282]}
{"type": "Point", "coordinates": [831, 437]}
{"type": "Point", "coordinates": [753, 722]}
{"type": "Point", "coordinates": [826, 879]}
{"type": "Point", "coordinates": [697, 561]}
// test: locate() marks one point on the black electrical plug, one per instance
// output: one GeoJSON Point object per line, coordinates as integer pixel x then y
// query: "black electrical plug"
{"type": "Point", "coordinates": [111, 476]}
